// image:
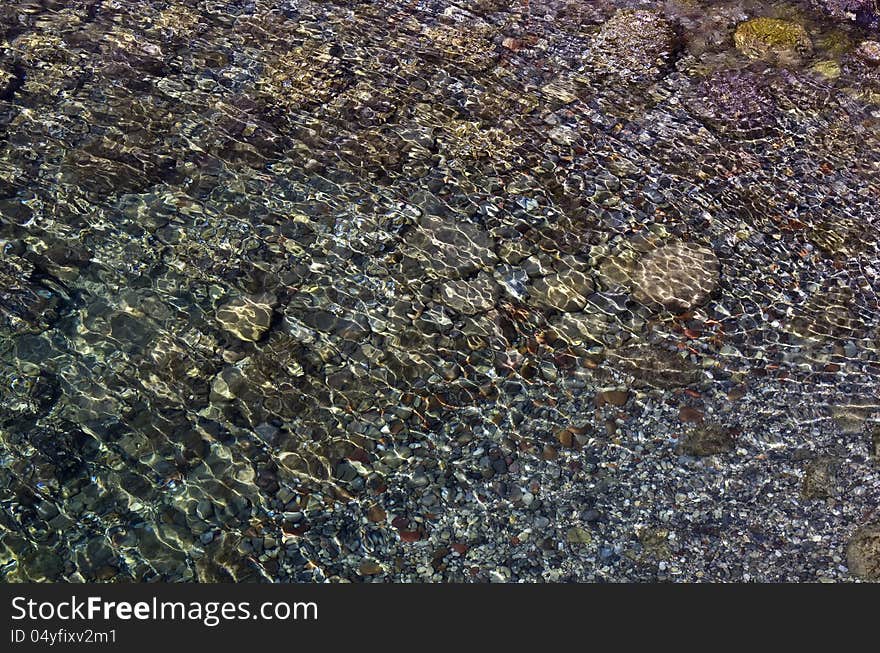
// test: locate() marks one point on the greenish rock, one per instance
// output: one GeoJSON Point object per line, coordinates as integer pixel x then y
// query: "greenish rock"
{"type": "Point", "coordinates": [820, 478]}
{"type": "Point", "coordinates": [578, 536]}
{"type": "Point", "coordinates": [707, 439]}
{"type": "Point", "coordinates": [851, 416]}
{"type": "Point", "coordinates": [470, 296]}
{"type": "Point", "coordinates": [655, 367]}
{"type": "Point", "coordinates": [7, 81]}
{"type": "Point", "coordinates": [26, 305]}
{"type": "Point", "coordinates": [772, 39]}
{"type": "Point", "coordinates": [835, 43]}
{"type": "Point", "coordinates": [42, 564]}
{"type": "Point", "coordinates": [305, 75]}
{"type": "Point", "coordinates": [828, 68]}
{"type": "Point", "coordinates": [580, 328]}
{"type": "Point", "coordinates": [565, 291]}
{"type": "Point", "coordinates": [655, 542]}
{"type": "Point", "coordinates": [828, 315]}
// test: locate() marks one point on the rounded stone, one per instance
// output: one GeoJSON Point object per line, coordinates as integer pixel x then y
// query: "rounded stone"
{"type": "Point", "coordinates": [772, 38]}
{"type": "Point", "coordinates": [565, 291]}
{"type": "Point", "coordinates": [678, 276]}
{"type": "Point", "coordinates": [863, 552]}
{"type": "Point", "coordinates": [470, 296]}
{"type": "Point", "coordinates": [820, 479]}
{"type": "Point", "coordinates": [247, 318]}
{"type": "Point", "coordinates": [707, 440]}
{"type": "Point", "coordinates": [7, 81]}
{"type": "Point", "coordinates": [869, 52]}
{"type": "Point", "coordinates": [632, 44]}
{"type": "Point", "coordinates": [735, 102]}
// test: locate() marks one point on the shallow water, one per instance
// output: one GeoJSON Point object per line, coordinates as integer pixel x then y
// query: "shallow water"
{"type": "Point", "coordinates": [435, 291]}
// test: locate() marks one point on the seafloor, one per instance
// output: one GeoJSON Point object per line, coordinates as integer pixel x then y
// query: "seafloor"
{"type": "Point", "coordinates": [475, 291]}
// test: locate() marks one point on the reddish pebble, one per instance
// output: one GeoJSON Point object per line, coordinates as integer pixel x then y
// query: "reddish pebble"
{"type": "Point", "coordinates": [410, 536]}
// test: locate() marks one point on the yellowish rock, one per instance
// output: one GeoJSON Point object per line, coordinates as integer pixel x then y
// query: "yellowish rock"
{"type": "Point", "coordinates": [828, 68]}
{"type": "Point", "coordinates": [772, 38]}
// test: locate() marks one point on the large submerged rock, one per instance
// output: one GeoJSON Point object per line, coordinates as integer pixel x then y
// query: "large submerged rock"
{"type": "Point", "coordinates": [677, 277]}
{"type": "Point", "coordinates": [863, 552]}
{"type": "Point", "coordinates": [633, 44]}
{"type": "Point", "coordinates": [735, 103]}
{"type": "Point", "coordinates": [247, 318]}
{"type": "Point", "coordinates": [773, 39]}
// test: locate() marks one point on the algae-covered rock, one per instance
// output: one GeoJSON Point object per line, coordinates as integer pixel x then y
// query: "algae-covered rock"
{"type": "Point", "coordinates": [472, 296]}
{"type": "Point", "coordinates": [468, 46]}
{"type": "Point", "coordinates": [655, 367]}
{"type": "Point", "coordinates": [829, 314]}
{"type": "Point", "coordinates": [772, 39]}
{"type": "Point", "coordinates": [310, 74]}
{"type": "Point", "coordinates": [565, 291]}
{"type": "Point", "coordinates": [820, 478]}
{"type": "Point", "coordinates": [7, 82]}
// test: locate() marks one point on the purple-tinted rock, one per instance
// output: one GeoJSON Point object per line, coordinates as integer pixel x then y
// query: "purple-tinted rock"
{"type": "Point", "coordinates": [735, 102]}
{"type": "Point", "coordinates": [869, 52]}
{"type": "Point", "coordinates": [863, 12]}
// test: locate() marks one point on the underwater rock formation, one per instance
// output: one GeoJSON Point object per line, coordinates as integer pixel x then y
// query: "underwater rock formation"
{"type": "Point", "coordinates": [772, 39]}
{"type": "Point", "coordinates": [632, 45]}
{"type": "Point", "coordinates": [677, 276]}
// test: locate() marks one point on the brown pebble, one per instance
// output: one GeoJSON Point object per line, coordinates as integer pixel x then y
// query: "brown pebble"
{"type": "Point", "coordinates": [688, 414]}
{"type": "Point", "coordinates": [615, 397]}
{"type": "Point", "coordinates": [565, 438]}
{"type": "Point", "coordinates": [376, 514]}
{"type": "Point", "coordinates": [410, 536]}
{"type": "Point", "coordinates": [737, 393]}
{"type": "Point", "coordinates": [549, 452]}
